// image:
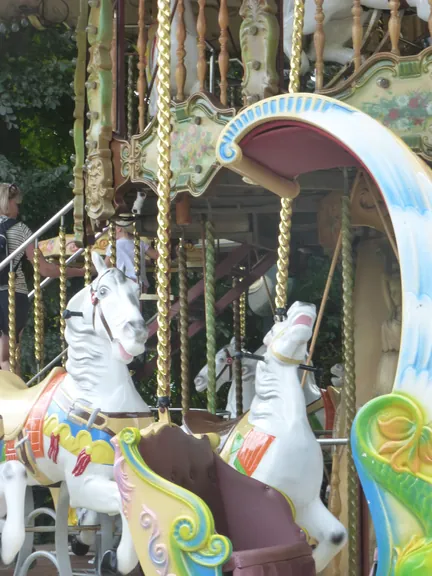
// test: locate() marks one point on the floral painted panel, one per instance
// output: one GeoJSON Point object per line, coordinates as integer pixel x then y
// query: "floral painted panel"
{"type": "Point", "coordinates": [196, 125]}
{"type": "Point", "coordinates": [398, 93]}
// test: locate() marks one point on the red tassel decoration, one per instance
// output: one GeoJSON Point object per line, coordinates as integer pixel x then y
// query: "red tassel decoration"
{"type": "Point", "coordinates": [83, 461]}
{"type": "Point", "coordinates": [54, 447]}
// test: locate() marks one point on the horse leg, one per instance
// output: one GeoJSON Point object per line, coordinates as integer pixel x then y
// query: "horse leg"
{"type": "Point", "coordinates": [88, 518]}
{"type": "Point", "coordinates": [325, 529]}
{"type": "Point", "coordinates": [102, 495]}
{"type": "Point", "coordinates": [13, 482]}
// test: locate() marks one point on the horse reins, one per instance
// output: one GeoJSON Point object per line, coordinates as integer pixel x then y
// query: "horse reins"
{"type": "Point", "coordinates": [96, 304]}
{"type": "Point", "coordinates": [228, 365]}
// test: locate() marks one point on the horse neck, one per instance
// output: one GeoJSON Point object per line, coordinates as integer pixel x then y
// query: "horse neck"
{"type": "Point", "coordinates": [283, 400]}
{"type": "Point", "coordinates": [311, 390]}
{"type": "Point", "coordinates": [93, 372]}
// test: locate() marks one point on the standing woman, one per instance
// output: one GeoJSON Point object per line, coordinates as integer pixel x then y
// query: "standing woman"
{"type": "Point", "coordinates": [16, 234]}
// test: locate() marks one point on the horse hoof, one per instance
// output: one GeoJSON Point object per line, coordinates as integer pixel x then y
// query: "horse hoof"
{"type": "Point", "coordinates": [108, 565]}
{"type": "Point", "coordinates": [78, 548]}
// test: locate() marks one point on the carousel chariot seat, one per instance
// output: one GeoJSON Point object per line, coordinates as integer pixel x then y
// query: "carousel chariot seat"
{"type": "Point", "coordinates": [252, 517]}
{"type": "Point", "coordinates": [203, 422]}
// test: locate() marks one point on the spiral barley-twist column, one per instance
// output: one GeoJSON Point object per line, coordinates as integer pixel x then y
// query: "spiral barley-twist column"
{"type": "Point", "coordinates": [12, 325]}
{"type": "Point", "coordinates": [130, 97]}
{"type": "Point", "coordinates": [38, 309]}
{"type": "Point", "coordinates": [163, 191]}
{"type": "Point", "coordinates": [349, 378]}
{"type": "Point", "coordinates": [184, 325]}
{"type": "Point", "coordinates": [297, 46]}
{"type": "Point", "coordinates": [210, 300]}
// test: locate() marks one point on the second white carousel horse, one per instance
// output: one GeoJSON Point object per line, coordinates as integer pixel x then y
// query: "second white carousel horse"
{"type": "Point", "coordinates": [60, 430]}
{"type": "Point", "coordinates": [225, 373]}
{"type": "Point", "coordinates": [277, 445]}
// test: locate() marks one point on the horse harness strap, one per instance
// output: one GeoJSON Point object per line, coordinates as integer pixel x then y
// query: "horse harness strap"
{"type": "Point", "coordinates": [315, 406]}
{"type": "Point", "coordinates": [96, 303]}
{"type": "Point", "coordinates": [228, 364]}
{"type": "Point", "coordinates": [285, 359]}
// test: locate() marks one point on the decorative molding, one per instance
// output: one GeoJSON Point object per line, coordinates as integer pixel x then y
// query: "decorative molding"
{"type": "Point", "coordinates": [259, 41]}
{"type": "Point", "coordinates": [196, 125]}
{"type": "Point", "coordinates": [99, 179]}
{"type": "Point", "coordinates": [396, 91]}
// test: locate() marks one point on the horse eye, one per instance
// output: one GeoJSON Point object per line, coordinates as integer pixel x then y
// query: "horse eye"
{"type": "Point", "coordinates": [103, 291]}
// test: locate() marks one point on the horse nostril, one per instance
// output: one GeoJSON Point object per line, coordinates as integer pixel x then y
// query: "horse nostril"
{"type": "Point", "coordinates": [137, 329]}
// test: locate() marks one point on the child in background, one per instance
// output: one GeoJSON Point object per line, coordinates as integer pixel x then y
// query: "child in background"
{"type": "Point", "coordinates": [125, 255]}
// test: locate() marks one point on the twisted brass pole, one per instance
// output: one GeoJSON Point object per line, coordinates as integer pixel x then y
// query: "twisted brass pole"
{"type": "Point", "coordinates": [163, 191]}
{"type": "Point", "coordinates": [286, 203]}
{"type": "Point", "coordinates": [87, 266]}
{"type": "Point", "coordinates": [297, 46]}
{"type": "Point", "coordinates": [38, 309]}
{"type": "Point", "coordinates": [210, 301]}
{"type": "Point", "coordinates": [349, 381]}
{"type": "Point", "coordinates": [137, 251]}
{"type": "Point", "coordinates": [243, 316]}
{"type": "Point", "coordinates": [62, 265]}
{"type": "Point", "coordinates": [283, 256]}
{"type": "Point", "coordinates": [130, 90]}
{"type": "Point", "coordinates": [112, 240]}
{"type": "Point", "coordinates": [12, 315]}
{"type": "Point", "coordinates": [237, 361]}
{"type": "Point", "coordinates": [184, 325]}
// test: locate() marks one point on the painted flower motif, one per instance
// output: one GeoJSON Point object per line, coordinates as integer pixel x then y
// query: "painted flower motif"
{"type": "Point", "coordinates": [402, 100]}
{"type": "Point", "coordinates": [414, 102]}
{"type": "Point", "coordinates": [404, 124]}
{"type": "Point", "coordinates": [394, 114]}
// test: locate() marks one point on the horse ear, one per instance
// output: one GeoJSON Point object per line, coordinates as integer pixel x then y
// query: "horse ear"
{"type": "Point", "coordinates": [98, 262]}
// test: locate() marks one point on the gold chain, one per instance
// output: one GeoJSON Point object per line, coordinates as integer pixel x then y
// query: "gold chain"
{"type": "Point", "coordinates": [163, 191]}
{"type": "Point", "coordinates": [349, 378]}
{"type": "Point", "coordinates": [12, 325]}
{"type": "Point", "coordinates": [38, 309]}
{"type": "Point", "coordinates": [184, 326]}
{"type": "Point", "coordinates": [297, 46]}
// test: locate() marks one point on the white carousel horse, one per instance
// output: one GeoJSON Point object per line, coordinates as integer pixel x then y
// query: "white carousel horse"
{"type": "Point", "coordinates": [277, 445]}
{"type": "Point", "coordinates": [225, 373]}
{"type": "Point", "coordinates": [191, 57]}
{"type": "Point", "coordinates": [61, 429]}
{"type": "Point", "coordinates": [337, 26]}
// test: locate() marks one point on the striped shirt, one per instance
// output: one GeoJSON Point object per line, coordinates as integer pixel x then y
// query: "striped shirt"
{"type": "Point", "coordinates": [16, 236]}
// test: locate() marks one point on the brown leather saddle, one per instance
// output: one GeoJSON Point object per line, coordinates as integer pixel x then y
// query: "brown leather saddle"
{"type": "Point", "coordinates": [203, 422]}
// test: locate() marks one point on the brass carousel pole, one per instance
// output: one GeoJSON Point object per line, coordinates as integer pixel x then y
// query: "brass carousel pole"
{"type": "Point", "coordinates": [237, 362]}
{"type": "Point", "coordinates": [163, 192]}
{"type": "Point", "coordinates": [38, 310]}
{"type": "Point", "coordinates": [63, 294]}
{"type": "Point", "coordinates": [87, 266]}
{"type": "Point", "coordinates": [12, 325]}
{"type": "Point", "coordinates": [349, 376]}
{"type": "Point", "coordinates": [286, 203]}
{"type": "Point", "coordinates": [210, 300]}
{"type": "Point", "coordinates": [184, 324]}
{"type": "Point", "coordinates": [112, 241]}
{"type": "Point", "coordinates": [137, 251]}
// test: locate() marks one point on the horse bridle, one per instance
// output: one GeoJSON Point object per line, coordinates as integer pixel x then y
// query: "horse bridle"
{"type": "Point", "coordinates": [229, 360]}
{"type": "Point", "coordinates": [96, 304]}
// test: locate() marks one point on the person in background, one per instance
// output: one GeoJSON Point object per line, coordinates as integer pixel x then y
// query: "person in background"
{"type": "Point", "coordinates": [125, 255]}
{"type": "Point", "coordinates": [16, 234]}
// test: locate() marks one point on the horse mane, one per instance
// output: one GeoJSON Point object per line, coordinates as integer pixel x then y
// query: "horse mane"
{"type": "Point", "coordinates": [85, 361]}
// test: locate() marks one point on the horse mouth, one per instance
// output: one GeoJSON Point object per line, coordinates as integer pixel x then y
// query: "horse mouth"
{"type": "Point", "coordinates": [303, 320]}
{"type": "Point", "coordinates": [125, 355]}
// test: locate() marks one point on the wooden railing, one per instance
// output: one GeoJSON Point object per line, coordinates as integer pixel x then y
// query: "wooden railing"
{"type": "Point", "coordinates": [259, 39]}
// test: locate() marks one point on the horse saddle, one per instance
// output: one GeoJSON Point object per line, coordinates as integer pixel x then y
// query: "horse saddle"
{"type": "Point", "coordinates": [202, 422]}
{"type": "Point", "coordinates": [17, 400]}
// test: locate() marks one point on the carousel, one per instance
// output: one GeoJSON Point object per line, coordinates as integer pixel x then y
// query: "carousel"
{"type": "Point", "coordinates": [240, 139]}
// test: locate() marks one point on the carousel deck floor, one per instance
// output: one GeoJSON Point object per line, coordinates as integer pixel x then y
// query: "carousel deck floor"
{"type": "Point", "coordinates": [80, 566]}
